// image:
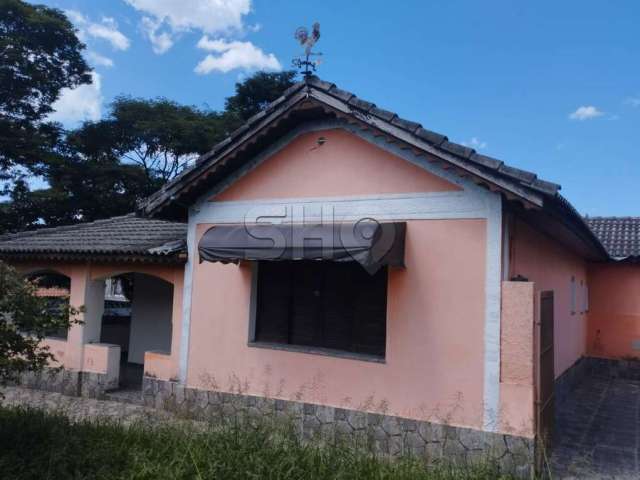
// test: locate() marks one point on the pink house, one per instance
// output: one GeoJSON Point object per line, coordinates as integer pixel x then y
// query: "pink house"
{"type": "Point", "coordinates": [332, 259]}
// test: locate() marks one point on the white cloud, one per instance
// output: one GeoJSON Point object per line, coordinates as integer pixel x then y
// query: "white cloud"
{"type": "Point", "coordinates": [475, 143]}
{"type": "Point", "coordinates": [209, 16]}
{"type": "Point", "coordinates": [99, 60]}
{"type": "Point", "coordinates": [234, 55]}
{"type": "Point", "coordinates": [160, 41]}
{"type": "Point", "coordinates": [633, 101]}
{"type": "Point", "coordinates": [78, 104]}
{"type": "Point", "coordinates": [585, 113]}
{"type": "Point", "coordinates": [106, 29]}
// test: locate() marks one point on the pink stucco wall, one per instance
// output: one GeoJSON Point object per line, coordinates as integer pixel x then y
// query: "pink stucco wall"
{"type": "Point", "coordinates": [551, 266]}
{"type": "Point", "coordinates": [517, 374]}
{"type": "Point", "coordinates": [344, 165]}
{"type": "Point", "coordinates": [614, 310]}
{"type": "Point", "coordinates": [435, 335]}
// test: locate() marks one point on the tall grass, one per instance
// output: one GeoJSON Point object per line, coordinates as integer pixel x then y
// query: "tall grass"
{"type": "Point", "coordinates": [38, 445]}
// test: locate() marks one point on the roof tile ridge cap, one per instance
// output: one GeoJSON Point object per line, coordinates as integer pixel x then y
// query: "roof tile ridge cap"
{"type": "Point", "coordinates": [62, 228]}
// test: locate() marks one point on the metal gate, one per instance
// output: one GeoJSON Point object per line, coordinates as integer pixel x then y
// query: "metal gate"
{"type": "Point", "coordinates": [545, 401]}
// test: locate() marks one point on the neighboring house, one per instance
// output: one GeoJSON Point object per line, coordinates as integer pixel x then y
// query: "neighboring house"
{"type": "Point", "coordinates": [331, 254]}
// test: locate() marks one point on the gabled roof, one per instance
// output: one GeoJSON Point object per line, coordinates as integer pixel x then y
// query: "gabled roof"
{"type": "Point", "coordinates": [484, 169]}
{"type": "Point", "coordinates": [313, 99]}
{"type": "Point", "coordinates": [619, 235]}
{"type": "Point", "coordinates": [126, 237]}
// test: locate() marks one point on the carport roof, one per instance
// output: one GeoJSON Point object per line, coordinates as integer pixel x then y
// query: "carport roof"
{"type": "Point", "coordinates": [126, 236]}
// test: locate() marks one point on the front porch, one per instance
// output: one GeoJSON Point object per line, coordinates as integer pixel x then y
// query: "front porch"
{"type": "Point", "coordinates": [114, 347]}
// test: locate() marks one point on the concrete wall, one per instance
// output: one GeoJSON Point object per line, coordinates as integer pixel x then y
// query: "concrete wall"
{"type": "Point", "coordinates": [551, 266]}
{"type": "Point", "coordinates": [614, 310]}
{"type": "Point", "coordinates": [151, 311]}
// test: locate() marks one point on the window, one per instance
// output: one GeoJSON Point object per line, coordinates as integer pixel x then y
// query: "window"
{"type": "Point", "coordinates": [328, 305]}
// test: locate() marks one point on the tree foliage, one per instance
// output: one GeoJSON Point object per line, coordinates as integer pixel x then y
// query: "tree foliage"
{"type": "Point", "coordinates": [102, 168]}
{"type": "Point", "coordinates": [25, 320]}
{"type": "Point", "coordinates": [255, 93]}
{"type": "Point", "coordinates": [40, 55]}
{"type": "Point", "coordinates": [159, 135]}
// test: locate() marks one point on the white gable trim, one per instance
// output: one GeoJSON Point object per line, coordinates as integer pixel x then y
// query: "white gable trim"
{"type": "Point", "coordinates": [470, 203]}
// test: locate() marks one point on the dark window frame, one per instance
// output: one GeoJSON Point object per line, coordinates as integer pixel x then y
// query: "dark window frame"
{"type": "Point", "coordinates": [355, 350]}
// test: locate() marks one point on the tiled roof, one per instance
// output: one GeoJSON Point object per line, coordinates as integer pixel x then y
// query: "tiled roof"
{"type": "Point", "coordinates": [488, 168]}
{"type": "Point", "coordinates": [124, 235]}
{"type": "Point", "coordinates": [619, 235]}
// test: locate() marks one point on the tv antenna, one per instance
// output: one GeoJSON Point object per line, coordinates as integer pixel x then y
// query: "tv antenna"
{"type": "Point", "coordinates": [307, 61]}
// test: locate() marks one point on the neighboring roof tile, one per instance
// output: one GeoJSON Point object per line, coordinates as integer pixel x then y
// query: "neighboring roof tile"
{"type": "Point", "coordinates": [619, 235]}
{"type": "Point", "coordinates": [124, 235]}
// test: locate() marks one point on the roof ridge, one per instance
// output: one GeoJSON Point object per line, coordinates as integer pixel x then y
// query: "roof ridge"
{"type": "Point", "coordinates": [61, 228]}
{"type": "Point", "coordinates": [483, 163]}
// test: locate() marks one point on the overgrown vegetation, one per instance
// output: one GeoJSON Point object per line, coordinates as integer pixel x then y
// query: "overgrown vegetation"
{"type": "Point", "coordinates": [25, 320]}
{"type": "Point", "coordinates": [37, 445]}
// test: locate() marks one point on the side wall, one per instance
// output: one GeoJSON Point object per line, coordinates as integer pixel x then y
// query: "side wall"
{"type": "Point", "coordinates": [551, 266]}
{"type": "Point", "coordinates": [614, 310]}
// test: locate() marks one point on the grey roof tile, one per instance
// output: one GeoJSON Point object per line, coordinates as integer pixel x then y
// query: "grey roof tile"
{"type": "Point", "coordinates": [124, 235]}
{"type": "Point", "coordinates": [341, 94]}
{"type": "Point", "coordinates": [361, 104]}
{"type": "Point", "coordinates": [457, 149]}
{"type": "Point", "coordinates": [517, 173]}
{"type": "Point", "coordinates": [406, 124]}
{"type": "Point", "coordinates": [619, 235]}
{"type": "Point", "coordinates": [431, 137]}
{"type": "Point", "coordinates": [385, 115]}
{"type": "Point", "coordinates": [485, 161]}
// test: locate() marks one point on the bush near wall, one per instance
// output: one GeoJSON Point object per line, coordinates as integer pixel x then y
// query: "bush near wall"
{"type": "Point", "coordinates": [37, 445]}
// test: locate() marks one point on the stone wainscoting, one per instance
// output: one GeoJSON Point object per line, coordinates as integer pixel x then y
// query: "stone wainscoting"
{"type": "Point", "coordinates": [72, 383]}
{"type": "Point", "coordinates": [387, 435]}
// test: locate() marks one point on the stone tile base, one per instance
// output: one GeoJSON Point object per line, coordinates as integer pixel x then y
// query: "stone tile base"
{"type": "Point", "coordinates": [570, 379]}
{"type": "Point", "coordinates": [614, 368]}
{"type": "Point", "coordinates": [587, 367]}
{"type": "Point", "coordinates": [71, 383]}
{"type": "Point", "coordinates": [384, 434]}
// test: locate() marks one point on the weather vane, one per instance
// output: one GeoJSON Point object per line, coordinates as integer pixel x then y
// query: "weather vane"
{"type": "Point", "coordinates": [307, 41]}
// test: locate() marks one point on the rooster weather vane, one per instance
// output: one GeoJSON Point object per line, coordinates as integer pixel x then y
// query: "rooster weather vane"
{"type": "Point", "coordinates": [307, 41]}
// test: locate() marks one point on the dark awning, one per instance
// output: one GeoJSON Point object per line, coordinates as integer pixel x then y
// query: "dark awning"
{"type": "Point", "coordinates": [367, 242]}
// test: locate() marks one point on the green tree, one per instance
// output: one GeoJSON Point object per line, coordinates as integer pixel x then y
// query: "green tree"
{"type": "Point", "coordinates": [102, 168]}
{"type": "Point", "coordinates": [158, 135]}
{"type": "Point", "coordinates": [40, 55]}
{"type": "Point", "coordinates": [25, 320]}
{"type": "Point", "coordinates": [255, 93]}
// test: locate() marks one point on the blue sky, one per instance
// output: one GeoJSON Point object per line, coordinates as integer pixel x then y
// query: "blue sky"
{"type": "Point", "coordinates": [548, 86]}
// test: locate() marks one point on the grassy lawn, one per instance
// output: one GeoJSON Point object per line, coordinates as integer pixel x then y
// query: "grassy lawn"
{"type": "Point", "coordinates": [37, 445]}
